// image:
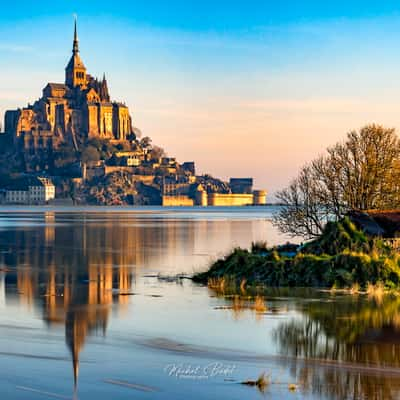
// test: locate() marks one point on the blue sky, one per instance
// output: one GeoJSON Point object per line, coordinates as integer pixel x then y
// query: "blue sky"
{"type": "Point", "coordinates": [203, 15]}
{"type": "Point", "coordinates": [255, 88]}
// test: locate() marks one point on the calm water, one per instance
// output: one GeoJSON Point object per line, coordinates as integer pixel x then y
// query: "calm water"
{"type": "Point", "coordinates": [88, 310]}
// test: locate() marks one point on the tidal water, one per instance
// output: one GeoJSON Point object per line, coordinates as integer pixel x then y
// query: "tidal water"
{"type": "Point", "coordinates": [95, 304]}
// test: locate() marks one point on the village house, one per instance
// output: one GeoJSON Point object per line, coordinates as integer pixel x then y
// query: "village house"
{"type": "Point", "coordinates": [130, 158]}
{"type": "Point", "coordinates": [30, 191]}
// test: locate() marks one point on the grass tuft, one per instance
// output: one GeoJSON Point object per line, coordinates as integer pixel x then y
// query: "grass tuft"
{"type": "Point", "coordinates": [259, 304]}
{"type": "Point", "coordinates": [217, 283]}
{"type": "Point", "coordinates": [243, 286]}
{"type": "Point", "coordinates": [292, 387]}
{"type": "Point", "coordinates": [262, 382]}
{"type": "Point", "coordinates": [376, 292]}
{"type": "Point", "coordinates": [355, 289]}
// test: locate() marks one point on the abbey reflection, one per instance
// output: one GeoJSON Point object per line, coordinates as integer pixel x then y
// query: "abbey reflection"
{"type": "Point", "coordinates": [69, 273]}
{"type": "Point", "coordinates": [73, 268]}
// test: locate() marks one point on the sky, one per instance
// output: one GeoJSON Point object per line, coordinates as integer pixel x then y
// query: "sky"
{"type": "Point", "coordinates": [245, 89]}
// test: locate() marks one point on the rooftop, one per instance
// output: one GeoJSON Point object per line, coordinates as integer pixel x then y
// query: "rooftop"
{"type": "Point", "coordinates": [25, 182]}
{"type": "Point", "coordinates": [57, 85]}
{"type": "Point", "coordinates": [384, 223]}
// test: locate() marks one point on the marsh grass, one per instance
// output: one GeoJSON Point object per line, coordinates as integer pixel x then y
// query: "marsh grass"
{"type": "Point", "coordinates": [216, 283]}
{"type": "Point", "coordinates": [259, 305]}
{"type": "Point", "coordinates": [376, 292]}
{"type": "Point", "coordinates": [292, 387]}
{"type": "Point", "coordinates": [355, 289]}
{"type": "Point", "coordinates": [238, 306]}
{"type": "Point", "coordinates": [262, 382]}
{"type": "Point", "coordinates": [243, 286]}
{"type": "Point", "coordinates": [223, 285]}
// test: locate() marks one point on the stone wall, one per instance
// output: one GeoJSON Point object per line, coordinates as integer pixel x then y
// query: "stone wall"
{"type": "Point", "coordinates": [229, 200]}
{"type": "Point", "coordinates": [260, 197]}
{"type": "Point", "coordinates": [177, 201]}
{"type": "Point", "coordinates": [109, 169]}
{"type": "Point", "coordinates": [147, 179]}
{"type": "Point", "coordinates": [201, 198]}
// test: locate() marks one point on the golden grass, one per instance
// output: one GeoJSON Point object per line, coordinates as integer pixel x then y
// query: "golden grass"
{"type": "Point", "coordinates": [262, 382]}
{"type": "Point", "coordinates": [238, 306]}
{"type": "Point", "coordinates": [243, 286]}
{"type": "Point", "coordinates": [265, 380]}
{"type": "Point", "coordinates": [259, 304]}
{"type": "Point", "coordinates": [396, 321]}
{"type": "Point", "coordinates": [376, 292]}
{"type": "Point", "coordinates": [355, 289]}
{"type": "Point", "coordinates": [292, 387]}
{"type": "Point", "coordinates": [223, 285]}
{"type": "Point", "coordinates": [333, 289]}
{"type": "Point", "coordinates": [216, 283]}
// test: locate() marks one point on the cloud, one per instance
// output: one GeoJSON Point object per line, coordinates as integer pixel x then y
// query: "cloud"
{"type": "Point", "coordinates": [16, 48]}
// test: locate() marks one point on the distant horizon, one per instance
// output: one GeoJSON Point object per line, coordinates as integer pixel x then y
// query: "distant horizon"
{"type": "Point", "coordinates": [242, 92]}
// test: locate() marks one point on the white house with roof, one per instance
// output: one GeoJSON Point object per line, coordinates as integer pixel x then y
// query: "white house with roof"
{"type": "Point", "coordinates": [30, 190]}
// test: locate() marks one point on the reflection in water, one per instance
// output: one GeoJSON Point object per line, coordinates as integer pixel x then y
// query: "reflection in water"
{"type": "Point", "coordinates": [73, 267]}
{"type": "Point", "coordinates": [76, 269]}
{"type": "Point", "coordinates": [73, 286]}
{"type": "Point", "coordinates": [338, 347]}
{"type": "Point", "coordinates": [2, 289]}
{"type": "Point", "coordinates": [346, 331]}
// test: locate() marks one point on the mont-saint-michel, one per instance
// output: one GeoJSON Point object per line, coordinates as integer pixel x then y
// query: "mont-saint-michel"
{"type": "Point", "coordinates": [76, 144]}
{"type": "Point", "coordinates": [299, 299]}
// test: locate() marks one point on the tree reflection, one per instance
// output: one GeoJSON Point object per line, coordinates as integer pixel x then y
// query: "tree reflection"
{"type": "Point", "coordinates": [345, 348]}
{"type": "Point", "coordinates": [336, 346]}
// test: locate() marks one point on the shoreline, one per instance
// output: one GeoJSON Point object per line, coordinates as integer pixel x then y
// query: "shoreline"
{"type": "Point", "coordinates": [123, 208]}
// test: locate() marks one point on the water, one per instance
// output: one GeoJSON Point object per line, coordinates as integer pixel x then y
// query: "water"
{"type": "Point", "coordinates": [88, 309]}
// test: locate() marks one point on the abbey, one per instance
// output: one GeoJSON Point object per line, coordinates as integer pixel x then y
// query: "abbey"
{"type": "Point", "coordinates": [83, 147]}
{"type": "Point", "coordinates": [74, 111]}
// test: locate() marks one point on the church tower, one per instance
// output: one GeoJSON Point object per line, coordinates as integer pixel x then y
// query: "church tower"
{"type": "Point", "coordinates": [104, 94]}
{"type": "Point", "coordinates": [75, 72]}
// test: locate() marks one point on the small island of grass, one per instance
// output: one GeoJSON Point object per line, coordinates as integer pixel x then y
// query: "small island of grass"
{"type": "Point", "coordinates": [346, 203]}
{"type": "Point", "coordinates": [343, 256]}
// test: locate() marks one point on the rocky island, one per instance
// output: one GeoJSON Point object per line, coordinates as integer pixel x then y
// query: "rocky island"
{"type": "Point", "coordinates": [84, 146]}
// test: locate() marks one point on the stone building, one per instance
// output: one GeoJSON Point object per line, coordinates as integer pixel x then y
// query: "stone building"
{"type": "Point", "coordinates": [30, 190]}
{"type": "Point", "coordinates": [73, 111]}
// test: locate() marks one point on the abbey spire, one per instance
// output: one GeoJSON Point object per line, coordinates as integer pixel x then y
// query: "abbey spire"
{"type": "Point", "coordinates": [75, 49]}
{"type": "Point", "coordinates": [75, 73]}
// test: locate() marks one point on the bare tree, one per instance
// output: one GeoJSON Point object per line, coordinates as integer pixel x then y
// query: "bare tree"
{"type": "Point", "coordinates": [361, 173]}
